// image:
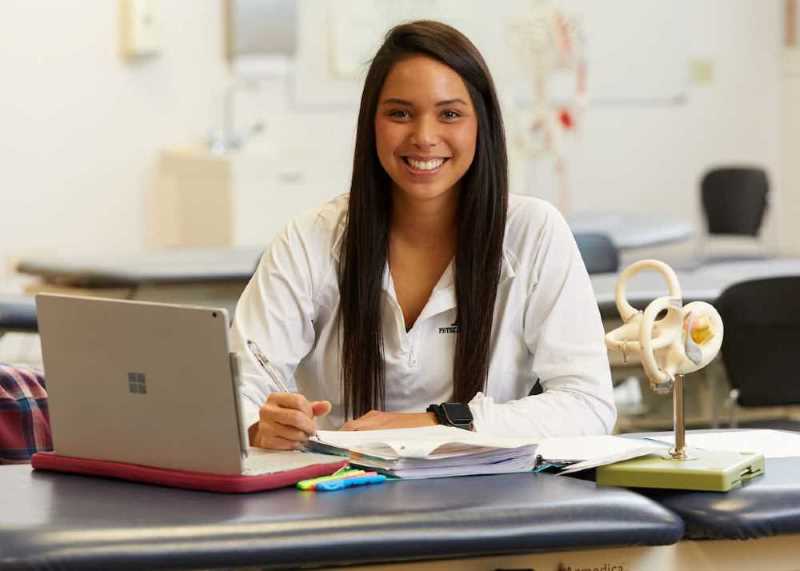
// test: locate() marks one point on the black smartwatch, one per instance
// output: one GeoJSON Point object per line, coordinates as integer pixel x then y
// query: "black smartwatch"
{"type": "Point", "coordinates": [452, 414]}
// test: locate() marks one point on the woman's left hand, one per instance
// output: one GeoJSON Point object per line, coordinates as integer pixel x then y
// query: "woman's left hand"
{"type": "Point", "coordinates": [379, 420]}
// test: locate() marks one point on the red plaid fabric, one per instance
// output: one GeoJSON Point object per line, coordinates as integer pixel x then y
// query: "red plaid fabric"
{"type": "Point", "coordinates": [24, 419]}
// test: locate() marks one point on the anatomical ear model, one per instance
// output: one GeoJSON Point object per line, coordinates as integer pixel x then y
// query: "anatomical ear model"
{"type": "Point", "coordinates": [684, 339]}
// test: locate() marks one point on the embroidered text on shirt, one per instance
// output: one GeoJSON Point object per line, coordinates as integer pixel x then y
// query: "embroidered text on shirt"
{"type": "Point", "coordinates": [449, 329]}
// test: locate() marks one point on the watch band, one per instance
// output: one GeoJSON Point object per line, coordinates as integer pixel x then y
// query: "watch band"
{"type": "Point", "coordinates": [444, 416]}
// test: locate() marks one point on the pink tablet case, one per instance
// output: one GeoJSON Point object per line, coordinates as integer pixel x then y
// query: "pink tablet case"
{"type": "Point", "coordinates": [235, 484]}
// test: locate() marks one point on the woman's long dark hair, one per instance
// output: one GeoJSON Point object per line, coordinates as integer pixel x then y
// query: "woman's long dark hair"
{"type": "Point", "coordinates": [481, 219]}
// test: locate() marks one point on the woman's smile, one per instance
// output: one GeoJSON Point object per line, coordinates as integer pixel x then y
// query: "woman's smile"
{"type": "Point", "coordinates": [424, 166]}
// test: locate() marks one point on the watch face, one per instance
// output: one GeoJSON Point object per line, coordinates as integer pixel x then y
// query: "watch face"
{"type": "Point", "coordinates": [457, 413]}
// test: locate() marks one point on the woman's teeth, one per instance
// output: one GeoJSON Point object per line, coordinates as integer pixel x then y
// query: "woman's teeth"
{"type": "Point", "coordinates": [425, 165]}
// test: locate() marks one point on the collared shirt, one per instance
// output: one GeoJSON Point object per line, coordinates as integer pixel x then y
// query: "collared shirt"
{"type": "Point", "coordinates": [546, 326]}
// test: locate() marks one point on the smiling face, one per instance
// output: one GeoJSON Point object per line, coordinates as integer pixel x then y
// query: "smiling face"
{"type": "Point", "coordinates": [425, 128]}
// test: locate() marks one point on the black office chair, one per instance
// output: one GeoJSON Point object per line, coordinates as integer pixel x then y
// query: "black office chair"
{"type": "Point", "coordinates": [734, 201]}
{"type": "Point", "coordinates": [599, 253]}
{"type": "Point", "coordinates": [761, 342]}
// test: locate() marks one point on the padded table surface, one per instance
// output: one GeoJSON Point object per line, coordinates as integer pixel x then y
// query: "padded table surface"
{"type": "Point", "coordinates": [766, 506]}
{"type": "Point", "coordinates": [181, 265]}
{"type": "Point", "coordinates": [703, 283]}
{"type": "Point", "coordinates": [53, 520]}
{"type": "Point", "coordinates": [629, 230]}
{"type": "Point", "coordinates": [186, 266]}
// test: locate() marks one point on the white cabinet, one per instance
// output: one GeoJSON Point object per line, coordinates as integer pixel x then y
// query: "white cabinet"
{"type": "Point", "coordinates": [238, 199]}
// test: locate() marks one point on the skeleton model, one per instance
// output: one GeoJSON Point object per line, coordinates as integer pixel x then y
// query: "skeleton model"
{"type": "Point", "coordinates": [551, 47]}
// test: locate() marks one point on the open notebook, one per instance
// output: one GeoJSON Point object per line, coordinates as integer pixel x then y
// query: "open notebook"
{"type": "Point", "coordinates": [439, 451]}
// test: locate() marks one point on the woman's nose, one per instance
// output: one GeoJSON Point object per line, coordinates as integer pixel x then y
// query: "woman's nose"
{"type": "Point", "coordinates": [425, 133]}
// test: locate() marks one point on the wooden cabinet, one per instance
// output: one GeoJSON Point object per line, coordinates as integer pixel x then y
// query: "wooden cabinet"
{"type": "Point", "coordinates": [240, 199]}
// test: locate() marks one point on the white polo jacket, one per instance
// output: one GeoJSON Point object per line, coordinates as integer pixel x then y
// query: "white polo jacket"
{"type": "Point", "coordinates": [546, 325]}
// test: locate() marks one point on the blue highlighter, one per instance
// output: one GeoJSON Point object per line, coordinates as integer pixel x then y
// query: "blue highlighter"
{"type": "Point", "coordinates": [334, 485]}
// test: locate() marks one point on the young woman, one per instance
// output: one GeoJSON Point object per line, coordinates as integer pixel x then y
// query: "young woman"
{"type": "Point", "coordinates": [427, 284]}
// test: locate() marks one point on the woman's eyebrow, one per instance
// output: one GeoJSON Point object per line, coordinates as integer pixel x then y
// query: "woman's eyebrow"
{"type": "Point", "coordinates": [451, 102]}
{"type": "Point", "coordinates": [396, 101]}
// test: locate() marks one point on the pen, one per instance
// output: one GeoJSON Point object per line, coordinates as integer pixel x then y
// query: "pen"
{"type": "Point", "coordinates": [273, 373]}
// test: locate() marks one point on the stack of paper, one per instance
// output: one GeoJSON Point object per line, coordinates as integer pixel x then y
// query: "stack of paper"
{"type": "Point", "coordinates": [428, 452]}
{"type": "Point", "coordinates": [439, 451]}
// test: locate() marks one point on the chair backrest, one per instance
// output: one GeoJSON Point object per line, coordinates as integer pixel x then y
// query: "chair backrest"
{"type": "Point", "coordinates": [762, 340]}
{"type": "Point", "coordinates": [598, 252]}
{"type": "Point", "coordinates": [734, 200]}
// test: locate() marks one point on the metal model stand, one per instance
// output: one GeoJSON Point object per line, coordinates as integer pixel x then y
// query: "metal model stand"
{"type": "Point", "coordinates": [668, 351]}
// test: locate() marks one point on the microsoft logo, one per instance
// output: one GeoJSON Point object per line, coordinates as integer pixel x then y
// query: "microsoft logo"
{"type": "Point", "coordinates": [136, 383]}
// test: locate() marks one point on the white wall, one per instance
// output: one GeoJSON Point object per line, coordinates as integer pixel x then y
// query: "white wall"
{"type": "Point", "coordinates": [81, 129]}
{"type": "Point", "coordinates": [653, 157]}
{"type": "Point", "coordinates": [636, 150]}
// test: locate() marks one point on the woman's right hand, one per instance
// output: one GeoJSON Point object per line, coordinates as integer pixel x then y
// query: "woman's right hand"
{"type": "Point", "coordinates": [286, 420]}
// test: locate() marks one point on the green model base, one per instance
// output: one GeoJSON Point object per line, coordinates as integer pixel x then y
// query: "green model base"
{"type": "Point", "coordinates": [706, 470]}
